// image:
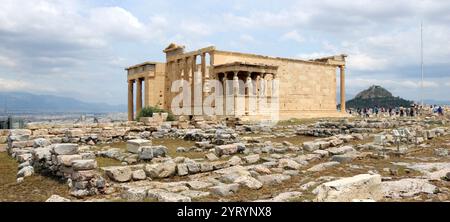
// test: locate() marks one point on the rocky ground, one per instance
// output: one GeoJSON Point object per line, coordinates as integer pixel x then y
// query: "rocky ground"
{"type": "Point", "coordinates": [311, 160]}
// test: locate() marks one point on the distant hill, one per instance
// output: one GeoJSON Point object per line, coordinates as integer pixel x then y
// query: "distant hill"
{"type": "Point", "coordinates": [20, 102]}
{"type": "Point", "coordinates": [376, 96]}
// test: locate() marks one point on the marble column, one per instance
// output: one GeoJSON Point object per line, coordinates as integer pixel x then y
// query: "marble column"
{"type": "Point", "coordinates": [147, 92]}
{"type": "Point", "coordinates": [192, 82]}
{"type": "Point", "coordinates": [235, 91]}
{"type": "Point", "coordinates": [139, 96]}
{"type": "Point", "coordinates": [249, 94]}
{"type": "Point", "coordinates": [204, 77]}
{"type": "Point", "coordinates": [342, 69]}
{"type": "Point", "coordinates": [130, 100]}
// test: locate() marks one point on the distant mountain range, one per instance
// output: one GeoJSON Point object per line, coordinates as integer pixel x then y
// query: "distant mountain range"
{"type": "Point", "coordinates": [21, 102]}
{"type": "Point", "coordinates": [376, 96]}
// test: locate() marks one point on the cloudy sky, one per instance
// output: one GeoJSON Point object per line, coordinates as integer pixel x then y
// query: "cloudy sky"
{"type": "Point", "coordinates": [79, 48]}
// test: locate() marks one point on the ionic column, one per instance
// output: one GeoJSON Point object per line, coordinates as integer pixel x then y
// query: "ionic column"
{"type": "Point", "coordinates": [187, 68]}
{"type": "Point", "coordinates": [147, 92]}
{"type": "Point", "coordinates": [192, 82]}
{"type": "Point", "coordinates": [265, 81]}
{"type": "Point", "coordinates": [211, 64]}
{"type": "Point", "coordinates": [342, 69]}
{"type": "Point", "coordinates": [139, 96]}
{"type": "Point", "coordinates": [273, 85]}
{"type": "Point", "coordinates": [249, 94]}
{"type": "Point", "coordinates": [130, 100]}
{"type": "Point", "coordinates": [203, 67]}
{"type": "Point", "coordinates": [225, 95]}
{"type": "Point", "coordinates": [235, 91]}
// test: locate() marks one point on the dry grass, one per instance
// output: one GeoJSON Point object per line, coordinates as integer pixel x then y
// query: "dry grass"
{"type": "Point", "coordinates": [33, 189]}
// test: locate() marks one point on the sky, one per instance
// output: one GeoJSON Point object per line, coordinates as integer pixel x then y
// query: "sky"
{"type": "Point", "coordinates": [79, 48]}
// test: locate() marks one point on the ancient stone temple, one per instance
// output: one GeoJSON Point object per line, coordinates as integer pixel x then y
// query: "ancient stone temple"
{"type": "Point", "coordinates": [305, 89]}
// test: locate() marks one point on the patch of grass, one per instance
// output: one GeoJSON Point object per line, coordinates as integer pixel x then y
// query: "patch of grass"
{"type": "Point", "coordinates": [106, 162]}
{"type": "Point", "coordinates": [35, 188]}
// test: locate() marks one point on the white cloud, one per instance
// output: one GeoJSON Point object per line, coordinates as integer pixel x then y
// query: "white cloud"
{"type": "Point", "coordinates": [7, 62]}
{"type": "Point", "coordinates": [246, 38]}
{"type": "Point", "coordinates": [293, 35]}
{"type": "Point", "coordinates": [7, 85]}
{"type": "Point", "coordinates": [195, 28]}
{"type": "Point", "coordinates": [366, 62]}
{"type": "Point", "coordinates": [389, 83]}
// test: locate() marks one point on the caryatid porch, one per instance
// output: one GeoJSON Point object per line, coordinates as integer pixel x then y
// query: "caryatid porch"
{"type": "Point", "coordinates": [244, 86]}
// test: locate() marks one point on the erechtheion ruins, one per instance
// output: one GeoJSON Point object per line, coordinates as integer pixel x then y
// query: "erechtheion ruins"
{"type": "Point", "coordinates": [307, 88]}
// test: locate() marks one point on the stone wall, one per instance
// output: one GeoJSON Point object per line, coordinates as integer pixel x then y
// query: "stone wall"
{"type": "Point", "coordinates": [64, 161]}
{"type": "Point", "coordinates": [307, 89]}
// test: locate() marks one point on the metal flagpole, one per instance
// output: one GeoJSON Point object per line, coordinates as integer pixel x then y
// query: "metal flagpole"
{"type": "Point", "coordinates": [421, 61]}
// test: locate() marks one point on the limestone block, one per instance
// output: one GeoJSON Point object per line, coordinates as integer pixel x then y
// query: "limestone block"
{"type": "Point", "coordinates": [134, 146]}
{"type": "Point", "coordinates": [119, 173]}
{"type": "Point", "coordinates": [362, 186]}
{"type": "Point", "coordinates": [84, 164]}
{"type": "Point", "coordinates": [65, 149]}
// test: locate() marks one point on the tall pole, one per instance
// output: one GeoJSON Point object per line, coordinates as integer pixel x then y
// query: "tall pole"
{"type": "Point", "coordinates": [421, 61]}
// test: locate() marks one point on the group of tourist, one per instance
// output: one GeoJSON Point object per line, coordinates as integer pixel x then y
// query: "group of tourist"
{"type": "Point", "coordinates": [414, 110]}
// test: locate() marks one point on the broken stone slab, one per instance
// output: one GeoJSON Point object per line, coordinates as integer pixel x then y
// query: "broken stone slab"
{"type": "Point", "coordinates": [249, 182]}
{"type": "Point", "coordinates": [25, 172]}
{"type": "Point", "coordinates": [194, 194]}
{"type": "Point", "coordinates": [301, 159]}
{"type": "Point", "coordinates": [150, 152]}
{"type": "Point", "coordinates": [134, 146]}
{"type": "Point", "coordinates": [308, 185]}
{"type": "Point", "coordinates": [41, 142]}
{"type": "Point", "coordinates": [340, 150]}
{"type": "Point", "coordinates": [225, 189]}
{"type": "Point", "coordinates": [67, 160]}
{"type": "Point", "coordinates": [261, 169]}
{"type": "Point", "coordinates": [193, 166]}
{"type": "Point", "coordinates": [408, 187]}
{"type": "Point", "coordinates": [285, 197]}
{"type": "Point", "coordinates": [323, 166]}
{"type": "Point", "coordinates": [83, 175]}
{"type": "Point", "coordinates": [211, 157]}
{"type": "Point", "coordinates": [182, 169]}
{"type": "Point", "coordinates": [235, 160]}
{"type": "Point", "coordinates": [217, 165]}
{"type": "Point", "coordinates": [75, 133]}
{"type": "Point", "coordinates": [84, 164]}
{"type": "Point", "coordinates": [65, 148]}
{"type": "Point", "coordinates": [229, 149]}
{"type": "Point", "coordinates": [323, 144]}
{"type": "Point", "coordinates": [57, 198]}
{"type": "Point", "coordinates": [161, 170]}
{"type": "Point", "coordinates": [289, 164]}
{"type": "Point", "coordinates": [24, 157]}
{"type": "Point", "coordinates": [362, 186]}
{"type": "Point", "coordinates": [251, 159]}
{"type": "Point", "coordinates": [164, 196]}
{"type": "Point", "coordinates": [273, 179]}
{"type": "Point", "coordinates": [206, 167]}
{"type": "Point", "coordinates": [198, 185]}
{"type": "Point", "coordinates": [118, 173]}
{"type": "Point", "coordinates": [310, 146]}
{"type": "Point", "coordinates": [345, 158]}
{"type": "Point", "coordinates": [19, 134]}
{"type": "Point", "coordinates": [139, 175]}
{"type": "Point", "coordinates": [441, 152]}
{"type": "Point", "coordinates": [134, 194]}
